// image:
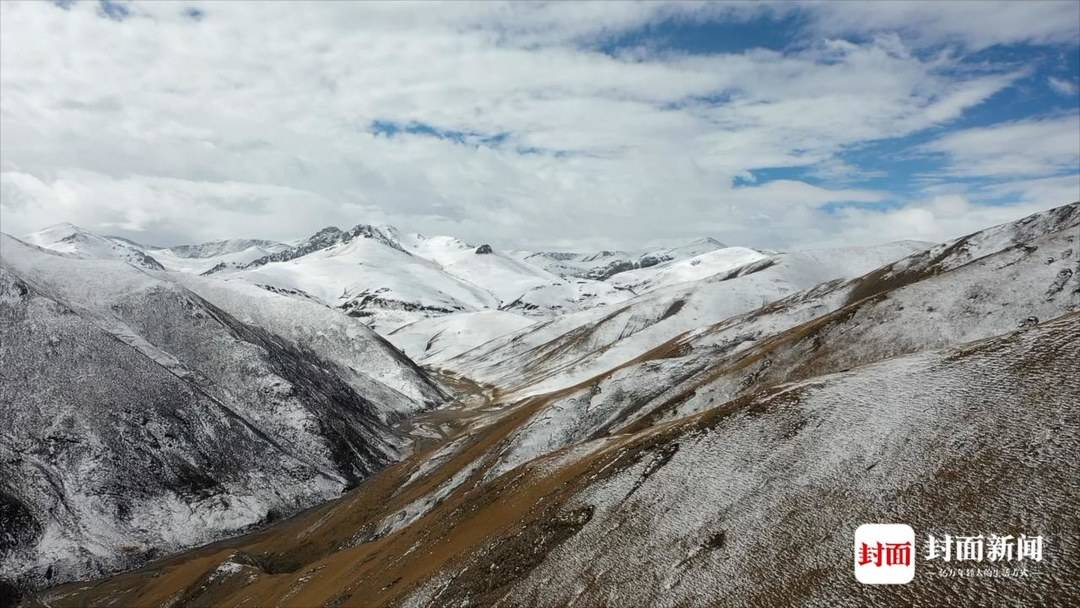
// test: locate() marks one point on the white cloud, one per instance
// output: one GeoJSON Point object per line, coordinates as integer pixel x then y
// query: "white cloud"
{"type": "Point", "coordinates": [1065, 87]}
{"type": "Point", "coordinates": [976, 24]}
{"type": "Point", "coordinates": [935, 219]}
{"type": "Point", "coordinates": [256, 120]}
{"type": "Point", "coordinates": [160, 208]}
{"type": "Point", "coordinates": [1026, 148]}
{"type": "Point", "coordinates": [1063, 188]}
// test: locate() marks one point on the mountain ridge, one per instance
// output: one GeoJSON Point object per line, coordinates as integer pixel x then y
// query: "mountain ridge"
{"type": "Point", "coordinates": [140, 400]}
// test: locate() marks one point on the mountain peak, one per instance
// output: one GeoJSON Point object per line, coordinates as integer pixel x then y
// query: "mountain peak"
{"type": "Point", "coordinates": [328, 237]}
{"type": "Point", "coordinates": [62, 226]}
{"type": "Point", "coordinates": [328, 231]}
{"type": "Point", "coordinates": [707, 240]}
{"type": "Point", "coordinates": [54, 233]}
{"type": "Point", "coordinates": [66, 237]}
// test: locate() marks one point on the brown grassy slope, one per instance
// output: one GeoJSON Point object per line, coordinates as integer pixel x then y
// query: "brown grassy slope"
{"type": "Point", "coordinates": [754, 502]}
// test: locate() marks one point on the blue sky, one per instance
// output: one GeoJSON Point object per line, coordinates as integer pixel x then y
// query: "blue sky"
{"type": "Point", "coordinates": [539, 125]}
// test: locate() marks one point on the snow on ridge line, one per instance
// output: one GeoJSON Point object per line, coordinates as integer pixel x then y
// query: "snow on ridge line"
{"type": "Point", "coordinates": [73, 240]}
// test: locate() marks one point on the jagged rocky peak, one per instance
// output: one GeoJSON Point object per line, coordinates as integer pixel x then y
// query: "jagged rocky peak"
{"type": "Point", "coordinates": [368, 231]}
{"type": "Point", "coordinates": [484, 249]}
{"type": "Point", "coordinates": [328, 237]}
{"type": "Point", "coordinates": [328, 232]}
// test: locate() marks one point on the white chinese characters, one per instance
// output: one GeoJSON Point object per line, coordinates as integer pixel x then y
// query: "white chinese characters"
{"type": "Point", "coordinates": [992, 548]}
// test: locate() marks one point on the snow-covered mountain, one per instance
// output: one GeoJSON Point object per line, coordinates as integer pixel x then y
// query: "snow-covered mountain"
{"type": "Point", "coordinates": [140, 418]}
{"type": "Point", "coordinates": [390, 278]}
{"type": "Point", "coordinates": [68, 238]}
{"type": "Point", "coordinates": [563, 351]}
{"type": "Point", "coordinates": [983, 285]}
{"type": "Point", "coordinates": [606, 264]}
{"type": "Point", "coordinates": [201, 258]}
{"type": "Point", "coordinates": [72, 240]}
{"type": "Point", "coordinates": [368, 275]}
{"type": "Point", "coordinates": [714, 441]}
{"type": "Point", "coordinates": [718, 261]}
{"type": "Point", "coordinates": [215, 249]}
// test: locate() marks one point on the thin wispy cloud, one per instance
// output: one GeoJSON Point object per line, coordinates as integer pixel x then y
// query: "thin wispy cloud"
{"type": "Point", "coordinates": [1063, 86]}
{"type": "Point", "coordinates": [1026, 148]}
{"type": "Point", "coordinates": [538, 124]}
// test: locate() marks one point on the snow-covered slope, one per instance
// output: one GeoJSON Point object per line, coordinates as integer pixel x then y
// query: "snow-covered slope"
{"type": "Point", "coordinates": [367, 361]}
{"type": "Point", "coordinates": [431, 341]}
{"type": "Point", "coordinates": [519, 286]}
{"type": "Point", "coordinates": [390, 279]}
{"type": "Point", "coordinates": [138, 418]}
{"type": "Point", "coordinates": [963, 291]}
{"type": "Point", "coordinates": [370, 277]}
{"type": "Point", "coordinates": [698, 267]}
{"type": "Point", "coordinates": [215, 249]}
{"type": "Point", "coordinates": [606, 264]}
{"type": "Point", "coordinates": [572, 348]}
{"type": "Point", "coordinates": [755, 502]}
{"type": "Point", "coordinates": [232, 253]}
{"type": "Point", "coordinates": [483, 266]}
{"type": "Point", "coordinates": [362, 358]}
{"type": "Point", "coordinates": [72, 240]}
